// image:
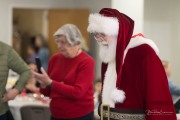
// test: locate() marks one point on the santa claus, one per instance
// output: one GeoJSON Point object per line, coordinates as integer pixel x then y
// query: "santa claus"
{"type": "Point", "coordinates": [135, 85]}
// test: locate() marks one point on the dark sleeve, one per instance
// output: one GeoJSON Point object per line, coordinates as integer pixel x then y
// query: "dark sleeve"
{"type": "Point", "coordinates": [158, 101]}
{"type": "Point", "coordinates": [175, 90]}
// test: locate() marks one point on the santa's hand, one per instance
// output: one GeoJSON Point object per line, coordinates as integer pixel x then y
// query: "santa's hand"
{"type": "Point", "coordinates": [43, 78]}
{"type": "Point", "coordinates": [10, 94]}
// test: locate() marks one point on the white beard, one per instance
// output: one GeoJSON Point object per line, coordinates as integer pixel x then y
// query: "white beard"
{"type": "Point", "coordinates": [107, 51]}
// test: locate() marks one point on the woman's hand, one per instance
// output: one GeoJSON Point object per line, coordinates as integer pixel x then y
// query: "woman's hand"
{"type": "Point", "coordinates": [43, 78]}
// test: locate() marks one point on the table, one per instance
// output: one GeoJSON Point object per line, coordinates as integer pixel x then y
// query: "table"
{"type": "Point", "coordinates": [27, 100]}
{"type": "Point", "coordinates": [34, 100]}
{"type": "Point", "coordinates": [178, 116]}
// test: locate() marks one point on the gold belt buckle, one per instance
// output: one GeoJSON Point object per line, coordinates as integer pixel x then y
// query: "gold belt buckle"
{"type": "Point", "coordinates": [105, 113]}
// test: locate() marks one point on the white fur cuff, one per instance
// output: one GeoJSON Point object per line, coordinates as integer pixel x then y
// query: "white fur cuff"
{"type": "Point", "coordinates": [118, 96]}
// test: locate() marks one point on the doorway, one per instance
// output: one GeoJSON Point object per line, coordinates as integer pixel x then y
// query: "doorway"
{"type": "Point", "coordinates": [30, 22]}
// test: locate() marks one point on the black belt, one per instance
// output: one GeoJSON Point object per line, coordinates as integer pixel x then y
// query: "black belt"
{"type": "Point", "coordinates": [108, 113]}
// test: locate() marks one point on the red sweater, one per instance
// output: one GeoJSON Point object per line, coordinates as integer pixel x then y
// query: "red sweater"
{"type": "Point", "coordinates": [72, 87]}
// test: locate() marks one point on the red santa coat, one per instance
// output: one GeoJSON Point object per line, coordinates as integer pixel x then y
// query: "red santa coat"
{"type": "Point", "coordinates": [143, 80]}
{"type": "Point", "coordinates": [136, 73]}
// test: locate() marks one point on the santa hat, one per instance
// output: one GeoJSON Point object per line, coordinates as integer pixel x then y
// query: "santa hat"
{"type": "Point", "coordinates": [112, 22]}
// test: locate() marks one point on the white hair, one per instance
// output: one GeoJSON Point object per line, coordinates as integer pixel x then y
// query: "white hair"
{"type": "Point", "coordinates": [71, 32]}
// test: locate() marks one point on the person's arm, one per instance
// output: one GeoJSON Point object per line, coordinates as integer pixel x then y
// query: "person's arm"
{"type": "Point", "coordinates": [16, 63]}
{"type": "Point", "coordinates": [175, 90]}
{"type": "Point", "coordinates": [158, 101]}
{"type": "Point", "coordinates": [31, 86]}
{"type": "Point", "coordinates": [19, 66]}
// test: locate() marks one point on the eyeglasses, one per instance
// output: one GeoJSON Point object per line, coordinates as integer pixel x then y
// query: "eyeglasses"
{"type": "Point", "coordinates": [101, 39]}
{"type": "Point", "coordinates": [99, 36]}
{"type": "Point", "coordinates": [61, 41]}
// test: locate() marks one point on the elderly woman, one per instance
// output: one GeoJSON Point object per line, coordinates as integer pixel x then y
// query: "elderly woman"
{"type": "Point", "coordinates": [69, 78]}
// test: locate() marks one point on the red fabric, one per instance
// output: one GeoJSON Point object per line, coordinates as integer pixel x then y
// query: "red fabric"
{"type": "Point", "coordinates": [145, 85]}
{"type": "Point", "coordinates": [74, 97]}
{"type": "Point", "coordinates": [142, 76]}
{"type": "Point", "coordinates": [126, 26]}
{"type": "Point", "coordinates": [139, 34]}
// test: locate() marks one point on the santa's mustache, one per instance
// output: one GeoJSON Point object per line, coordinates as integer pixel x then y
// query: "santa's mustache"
{"type": "Point", "coordinates": [103, 43]}
{"type": "Point", "coordinates": [107, 52]}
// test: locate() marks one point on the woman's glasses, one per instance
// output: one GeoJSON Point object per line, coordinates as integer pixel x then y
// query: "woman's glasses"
{"type": "Point", "coordinates": [61, 41]}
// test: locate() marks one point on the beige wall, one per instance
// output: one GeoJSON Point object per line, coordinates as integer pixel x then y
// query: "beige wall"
{"type": "Point", "coordinates": [29, 20]}
{"type": "Point", "coordinates": [161, 20]}
{"type": "Point", "coordinates": [6, 8]}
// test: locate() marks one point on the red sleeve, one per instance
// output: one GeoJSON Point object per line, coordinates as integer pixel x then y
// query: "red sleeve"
{"type": "Point", "coordinates": [83, 81]}
{"type": "Point", "coordinates": [158, 101]}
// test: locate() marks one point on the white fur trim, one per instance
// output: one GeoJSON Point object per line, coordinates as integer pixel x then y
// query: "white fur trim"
{"type": "Point", "coordinates": [102, 24]}
{"type": "Point", "coordinates": [109, 84]}
{"type": "Point", "coordinates": [118, 96]}
{"type": "Point", "coordinates": [111, 95]}
{"type": "Point", "coordinates": [139, 40]}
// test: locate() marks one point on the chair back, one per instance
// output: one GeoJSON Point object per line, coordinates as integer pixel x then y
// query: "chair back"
{"type": "Point", "coordinates": [35, 113]}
